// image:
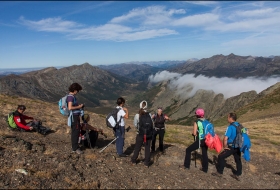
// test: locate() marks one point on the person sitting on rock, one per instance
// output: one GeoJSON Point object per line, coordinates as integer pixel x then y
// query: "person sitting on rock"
{"type": "Point", "coordinates": [20, 118]}
{"type": "Point", "coordinates": [93, 133]}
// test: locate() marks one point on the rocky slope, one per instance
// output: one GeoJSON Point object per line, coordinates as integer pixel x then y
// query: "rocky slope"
{"type": "Point", "coordinates": [232, 66]}
{"type": "Point", "coordinates": [216, 106]}
{"type": "Point", "coordinates": [33, 161]}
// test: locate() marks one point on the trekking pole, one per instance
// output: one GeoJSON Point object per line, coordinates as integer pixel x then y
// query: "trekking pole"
{"type": "Point", "coordinates": [194, 138]}
{"type": "Point", "coordinates": [108, 145]}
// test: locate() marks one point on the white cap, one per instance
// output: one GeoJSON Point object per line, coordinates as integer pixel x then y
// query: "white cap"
{"type": "Point", "coordinates": [145, 106]}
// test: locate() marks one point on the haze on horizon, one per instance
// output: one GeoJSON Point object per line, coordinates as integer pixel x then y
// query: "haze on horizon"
{"type": "Point", "coordinates": [51, 33]}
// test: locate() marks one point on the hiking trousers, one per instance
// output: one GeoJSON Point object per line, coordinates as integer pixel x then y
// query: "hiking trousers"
{"type": "Point", "coordinates": [120, 132]}
{"type": "Point", "coordinates": [237, 158]}
{"type": "Point", "coordinates": [159, 132]}
{"type": "Point", "coordinates": [75, 132]}
{"type": "Point", "coordinates": [137, 149]}
{"type": "Point", "coordinates": [193, 147]}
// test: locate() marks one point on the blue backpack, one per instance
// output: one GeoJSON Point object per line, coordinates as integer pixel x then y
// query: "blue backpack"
{"type": "Point", "coordinates": [205, 127]}
{"type": "Point", "coordinates": [242, 141]}
{"type": "Point", "coordinates": [63, 105]}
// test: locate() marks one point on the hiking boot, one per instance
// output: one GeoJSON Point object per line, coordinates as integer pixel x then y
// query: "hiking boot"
{"type": "Point", "coordinates": [182, 167]}
{"type": "Point", "coordinates": [235, 177]}
{"type": "Point", "coordinates": [201, 169]}
{"type": "Point", "coordinates": [217, 174]}
{"type": "Point", "coordinates": [78, 151]}
{"type": "Point", "coordinates": [123, 155]}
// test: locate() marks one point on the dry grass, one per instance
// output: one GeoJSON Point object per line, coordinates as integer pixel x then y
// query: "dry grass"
{"type": "Point", "coordinates": [264, 134]}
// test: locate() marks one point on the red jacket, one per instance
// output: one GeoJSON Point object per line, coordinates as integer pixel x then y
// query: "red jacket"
{"type": "Point", "coordinates": [20, 120]}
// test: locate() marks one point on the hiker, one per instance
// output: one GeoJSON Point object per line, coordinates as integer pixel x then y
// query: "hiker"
{"type": "Point", "coordinates": [144, 106]}
{"type": "Point", "coordinates": [120, 129]}
{"type": "Point", "coordinates": [20, 118]}
{"type": "Point", "coordinates": [93, 133]}
{"type": "Point", "coordinates": [159, 128]}
{"type": "Point", "coordinates": [229, 149]}
{"type": "Point", "coordinates": [74, 116]}
{"type": "Point", "coordinates": [144, 136]}
{"type": "Point", "coordinates": [198, 134]}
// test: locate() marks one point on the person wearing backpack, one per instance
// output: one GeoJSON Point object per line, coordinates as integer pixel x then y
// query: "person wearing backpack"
{"type": "Point", "coordinates": [159, 128]}
{"type": "Point", "coordinates": [144, 106]}
{"type": "Point", "coordinates": [230, 149]}
{"type": "Point", "coordinates": [199, 136]}
{"type": "Point", "coordinates": [19, 119]}
{"type": "Point", "coordinates": [144, 136]}
{"type": "Point", "coordinates": [75, 111]}
{"type": "Point", "coordinates": [120, 129]}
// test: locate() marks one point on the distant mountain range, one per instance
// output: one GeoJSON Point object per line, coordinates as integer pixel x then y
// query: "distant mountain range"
{"type": "Point", "coordinates": [103, 84]}
{"type": "Point", "coordinates": [232, 66]}
{"type": "Point", "coordinates": [51, 84]}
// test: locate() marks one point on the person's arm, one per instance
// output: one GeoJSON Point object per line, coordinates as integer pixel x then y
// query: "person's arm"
{"type": "Point", "coordinates": [194, 129]}
{"type": "Point", "coordinates": [225, 142]}
{"type": "Point", "coordinates": [20, 125]}
{"type": "Point", "coordinates": [126, 113]}
{"type": "Point", "coordinates": [71, 107]}
{"type": "Point", "coordinates": [166, 117]}
{"type": "Point", "coordinates": [27, 117]}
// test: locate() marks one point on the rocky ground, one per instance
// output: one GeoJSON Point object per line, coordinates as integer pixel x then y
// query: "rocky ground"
{"type": "Point", "coordinates": [31, 160]}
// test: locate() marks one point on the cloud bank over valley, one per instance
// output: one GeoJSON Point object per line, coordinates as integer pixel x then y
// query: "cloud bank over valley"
{"type": "Point", "coordinates": [187, 85]}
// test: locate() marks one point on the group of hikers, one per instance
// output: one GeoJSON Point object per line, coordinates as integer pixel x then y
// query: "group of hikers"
{"type": "Point", "coordinates": [148, 127]}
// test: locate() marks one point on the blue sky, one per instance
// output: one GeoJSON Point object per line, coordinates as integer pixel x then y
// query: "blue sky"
{"type": "Point", "coordinates": [43, 34]}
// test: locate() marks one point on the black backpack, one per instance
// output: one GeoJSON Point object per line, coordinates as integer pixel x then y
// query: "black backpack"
{"type": "Point", "coordinates": [146, 125]}
{"type": "Point", "coordinates": [111, 119]}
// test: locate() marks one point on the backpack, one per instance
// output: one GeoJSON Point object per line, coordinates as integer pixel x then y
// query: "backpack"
{"type": "Point", "coordinates": [111, 118]}
{"type": "Point", "coordinates": [146, 125]}
{"type": "Point", "coordinates": [205, 127]}
{"type": "Point", "coordinates": [241, 134]}
{"type": "Point", "coordinates": [63, 105]}
{"type": "Point", "coordinates": [10, 121]}
{"type": "Point", "coordinates": [242, 141]}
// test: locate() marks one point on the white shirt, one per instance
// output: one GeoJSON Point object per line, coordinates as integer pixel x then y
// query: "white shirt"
{"type": "Point", "coordinates": [120, 114]}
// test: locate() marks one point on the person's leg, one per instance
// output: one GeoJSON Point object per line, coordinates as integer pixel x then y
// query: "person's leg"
{"type": "Point", "coordinates": [204, 148]}
{"type": "Point", "coordinates": [137, 149]}
{"type": "Point", "coordinates": [221, 159]}
{"type": "Point", "coordinates": [154, 140]}
{"type": "Point", "coordinates": [147, 152]}
{"type": "Point", "coordinates": [189, 150]}
{"type": "Point", "coordinates": [93, 136]}
{"type": "Point", "coordinates": [75, 126]}
{"type": "Point", "coordinates": [237, 159]}
{"type": "Point", "coordinates": [119, 141]}
{"type": "Point", "coordinates": [161, 136]}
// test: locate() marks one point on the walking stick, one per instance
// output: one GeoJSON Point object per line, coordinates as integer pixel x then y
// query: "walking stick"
{"type": "Point", "coordinates": [108, 145]}
{"type": "Point", "coordinates": [194, 138]}
{"type": "Point", "coordinates": [127, 129]}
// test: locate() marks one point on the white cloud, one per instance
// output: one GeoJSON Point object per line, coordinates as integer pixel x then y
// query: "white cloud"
{"type": "Point", "coordinates": [50, 24]}
{"type": "Point", "coordinates": [163, 76]}
{"type": "Point", "coordinates": [197, 20]}
{"type": "Point", "coordinates": [187, 85]}
{"type": "Point", "coordinates": [203, 3]}
{"type": "Point", "coordinates": [152, 15]}
{"type": "Point", "coordinates": [157, 21]}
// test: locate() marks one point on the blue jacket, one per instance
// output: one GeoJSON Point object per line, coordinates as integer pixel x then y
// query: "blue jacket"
{"type": "Point", "coordinates": [246, 146]}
